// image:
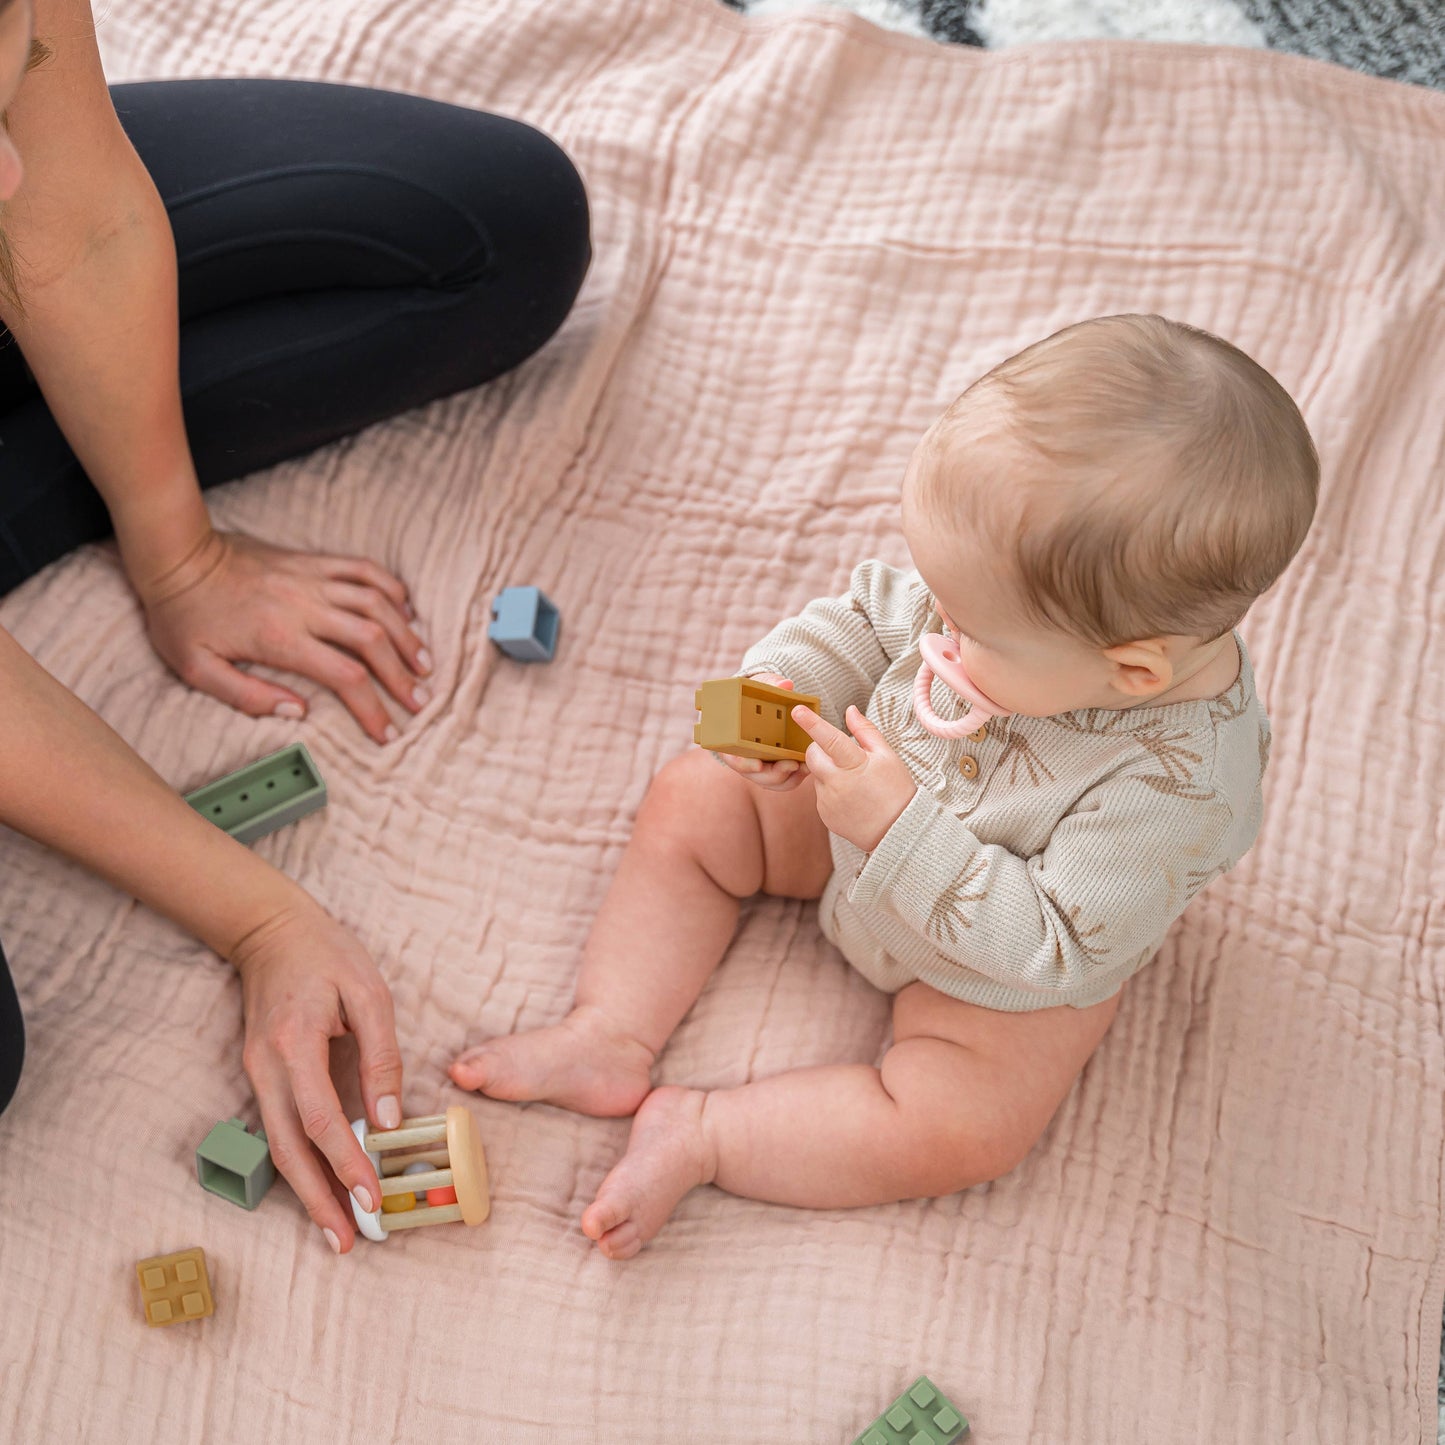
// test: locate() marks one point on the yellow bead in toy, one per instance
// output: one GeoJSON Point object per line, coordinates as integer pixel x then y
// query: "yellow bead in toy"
{"type": "Point", "coordinates": [440, 1152]}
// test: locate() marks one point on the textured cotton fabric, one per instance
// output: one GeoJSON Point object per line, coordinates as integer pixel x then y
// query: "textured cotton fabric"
{"type": "Point", "coordinates": [1042, 862]}
{"type": "Point", "coordinates": [808, 236]}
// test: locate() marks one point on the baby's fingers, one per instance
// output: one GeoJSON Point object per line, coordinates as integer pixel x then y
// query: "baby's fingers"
{"type": "Point", "coordinates": [778, 776]}
{"type": "Point", "coordinates": [747, 766]}
{"type": "Point", "coordinates": [785, 782]}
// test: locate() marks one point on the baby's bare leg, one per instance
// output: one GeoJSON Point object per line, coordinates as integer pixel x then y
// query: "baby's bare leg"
{"type": "Point", "coordinates": [705, 838]}
{"type": "Point", "coordinates": [961, 1097]}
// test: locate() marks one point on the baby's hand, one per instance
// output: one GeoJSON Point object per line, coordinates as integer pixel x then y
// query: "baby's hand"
{"type": "Point", "coordinates": [777, 777]}
{"type": "Point", "coordinates": [863, 785]}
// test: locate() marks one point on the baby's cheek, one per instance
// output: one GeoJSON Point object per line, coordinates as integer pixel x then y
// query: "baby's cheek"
{"type": "Point", "coordinates": [11, 171]}
{"type": "Point", "coordinates": [995, 682]}
{"type": "Point", "coordinates": [1029, 694]}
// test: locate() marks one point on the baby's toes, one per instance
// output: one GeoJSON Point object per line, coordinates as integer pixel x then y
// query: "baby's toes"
{"type": "Point", "coordinates": [515, 1068]}
{"type": "Point", "coordinates": [611, 1209]}
{"type": "Point", "coordinates": [622, 1242]}
{"type": "Point", "coordinates": [470, 1070]}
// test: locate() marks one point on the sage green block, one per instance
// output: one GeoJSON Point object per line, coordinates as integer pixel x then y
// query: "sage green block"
{"type": "Point", "coordinates": [921, 1415]}
{"type": "Point", "coordinates": [235, 1164]}
{"type": "Point", "coordinates": [263, 796]}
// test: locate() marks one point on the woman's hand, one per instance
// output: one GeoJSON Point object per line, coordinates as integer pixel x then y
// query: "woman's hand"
{"type": "Point", "coordinates": [780, 776]}
{"type": "Point", "coordinates": [342, 621]}
{"type": "Point", "coordinates": [305, 980]}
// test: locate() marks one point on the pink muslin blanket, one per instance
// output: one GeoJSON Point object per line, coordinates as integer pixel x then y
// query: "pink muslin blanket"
{"type": "Point", "coordinates": [809, 236]}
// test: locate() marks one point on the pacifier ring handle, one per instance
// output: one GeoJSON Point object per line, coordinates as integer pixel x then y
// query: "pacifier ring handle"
{"type": "Point", "coordinates": [942, 658]}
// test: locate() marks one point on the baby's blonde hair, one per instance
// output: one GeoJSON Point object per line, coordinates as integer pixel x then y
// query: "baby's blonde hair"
{"type": "Point", "coordinates": [1154, 480]}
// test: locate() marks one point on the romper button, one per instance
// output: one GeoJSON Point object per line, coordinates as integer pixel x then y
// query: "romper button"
{"type": "Point", "coordinates": [968, 766]}
{"type": "Point", "coordinates": [980, 736]}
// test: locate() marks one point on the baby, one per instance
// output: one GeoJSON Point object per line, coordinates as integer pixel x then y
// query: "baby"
{"type": "Point", "coordinates": [1088, 523]}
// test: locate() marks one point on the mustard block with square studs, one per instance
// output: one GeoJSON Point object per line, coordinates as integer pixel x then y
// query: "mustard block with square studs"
{"type": "Point", "coordinates": [921, 1415]}
{"type": "Point", "coordinates": [750, 719]}
{"type": "Point", "coordinates": [175, 1287]}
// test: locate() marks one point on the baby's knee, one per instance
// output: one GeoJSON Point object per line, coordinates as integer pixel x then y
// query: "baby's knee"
{"type": "Point", "coordinates": [958, 1126]}
{"type": "Point", "coordinates": [689, 786]}
{"type": "Point", "coordinates": [698, 809]}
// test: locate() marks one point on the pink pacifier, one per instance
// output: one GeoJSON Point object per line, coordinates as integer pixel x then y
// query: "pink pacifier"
{"type": "Point", "coordinates": [943, 659]}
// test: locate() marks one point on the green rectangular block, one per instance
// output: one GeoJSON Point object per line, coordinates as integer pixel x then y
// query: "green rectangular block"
{"type": "Point", "coordinates": [264, 796]}
{"type": "Point", "coordinates": [921, 1415]}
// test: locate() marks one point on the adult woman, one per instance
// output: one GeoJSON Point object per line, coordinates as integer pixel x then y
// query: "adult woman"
{"type": "Point", "coordinates": [213, 275]}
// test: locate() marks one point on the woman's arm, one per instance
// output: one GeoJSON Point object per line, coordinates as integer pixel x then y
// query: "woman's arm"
{"type": "Point", "coordinates": [99, 327]}
{"type": "Point", "coordinates": [97, 321]}
{"type": "Point", "coordinates": [69, 781]}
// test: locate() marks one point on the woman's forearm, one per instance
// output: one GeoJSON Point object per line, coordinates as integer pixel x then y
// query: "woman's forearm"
{"type": "Point", "coordinates": [100, 332]}
{"type": "Point", "coordinates": [71, 782]}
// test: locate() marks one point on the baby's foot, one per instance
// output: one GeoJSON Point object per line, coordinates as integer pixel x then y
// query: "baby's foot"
{"type": "Point", "coordinates": [667, 1155]}
{"type": "Point", "coordinates": [584, 1063]}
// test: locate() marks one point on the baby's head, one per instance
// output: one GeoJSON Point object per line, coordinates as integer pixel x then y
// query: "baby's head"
{"type": "Point", "coordinates": [1095, 514]}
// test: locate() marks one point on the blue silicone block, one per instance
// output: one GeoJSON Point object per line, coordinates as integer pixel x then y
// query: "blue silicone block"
{"type": "Point", "coordinates": [524, 624]}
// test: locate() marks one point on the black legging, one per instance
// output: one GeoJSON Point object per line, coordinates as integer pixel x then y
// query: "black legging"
{"type": "Point", "coordinates": [344, 254]}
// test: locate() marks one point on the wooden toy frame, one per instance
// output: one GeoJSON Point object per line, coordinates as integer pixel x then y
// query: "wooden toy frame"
{"type": "Point", "coordinates": [449, 1143]}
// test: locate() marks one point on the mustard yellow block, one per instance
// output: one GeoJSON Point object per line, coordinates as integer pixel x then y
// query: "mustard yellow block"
{"type": "Point", "coordinates": [175, 1287]}
{"type": "Point", "coordinates": [397, 1203]}
{"type": "Point", "coordinates": [750, 719]}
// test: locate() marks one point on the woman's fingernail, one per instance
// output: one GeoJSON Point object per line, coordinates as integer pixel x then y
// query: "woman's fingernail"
{"type": "Point", "coordinates": [290, 709]}
{"type": "Point", "coordinates": [363, 1198]}
{"type": "Point", "coordinates": [332, 1240]}
{"type": "Point", "coordinates": [391, 734]}
{"type": "Point", "coordinates": [421, 695]}
{"type": "Point", "coordinates": [388, 1111]}
{"type": "Point", "coordinates": [423, 659]}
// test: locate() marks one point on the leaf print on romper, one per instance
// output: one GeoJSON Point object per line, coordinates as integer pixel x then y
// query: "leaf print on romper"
{"type": "Point", "coordinates": [1177, 762]}
{"type": "Point", "coordinates": [1023, 761]}
{"type": "Point", "coordinates": [947, 918]}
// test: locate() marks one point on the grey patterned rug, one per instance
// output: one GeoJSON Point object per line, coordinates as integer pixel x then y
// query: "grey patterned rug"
{"type": "Point", "coordinates": [1398, 39]}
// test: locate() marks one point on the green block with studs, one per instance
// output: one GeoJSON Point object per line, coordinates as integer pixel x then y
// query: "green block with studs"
{"type": "Point", "coordinates": [235, 1164]}
{"type": "Point", "coordinates": [264, 796]}
{"type": "Point", "coordinates": [921, 1415]}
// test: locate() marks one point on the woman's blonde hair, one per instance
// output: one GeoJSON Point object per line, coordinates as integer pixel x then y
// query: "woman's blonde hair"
{"type": "Point", "coordinates": [1144, 477]}
{"type": "Point", "coordinates": [9, 287]}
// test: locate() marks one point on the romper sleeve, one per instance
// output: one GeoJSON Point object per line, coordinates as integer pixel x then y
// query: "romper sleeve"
{"type": "Point", "coordinates": [1097, 901]}
{"type": "Point", "coordinates": [839, 647]}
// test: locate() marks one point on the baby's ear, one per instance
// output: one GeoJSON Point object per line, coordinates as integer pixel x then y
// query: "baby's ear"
{"type": "Point", "coordinates": [1141, 669]}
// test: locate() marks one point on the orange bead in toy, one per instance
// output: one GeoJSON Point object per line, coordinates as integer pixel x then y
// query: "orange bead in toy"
{"type": "Point", "coordinates": [439, 1156]}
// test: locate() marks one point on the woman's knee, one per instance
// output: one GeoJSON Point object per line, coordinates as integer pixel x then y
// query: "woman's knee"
{"type": "Point", "coordinates": [531, 203]}
{"type": "Point", "coordinates": [12, 1036]}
